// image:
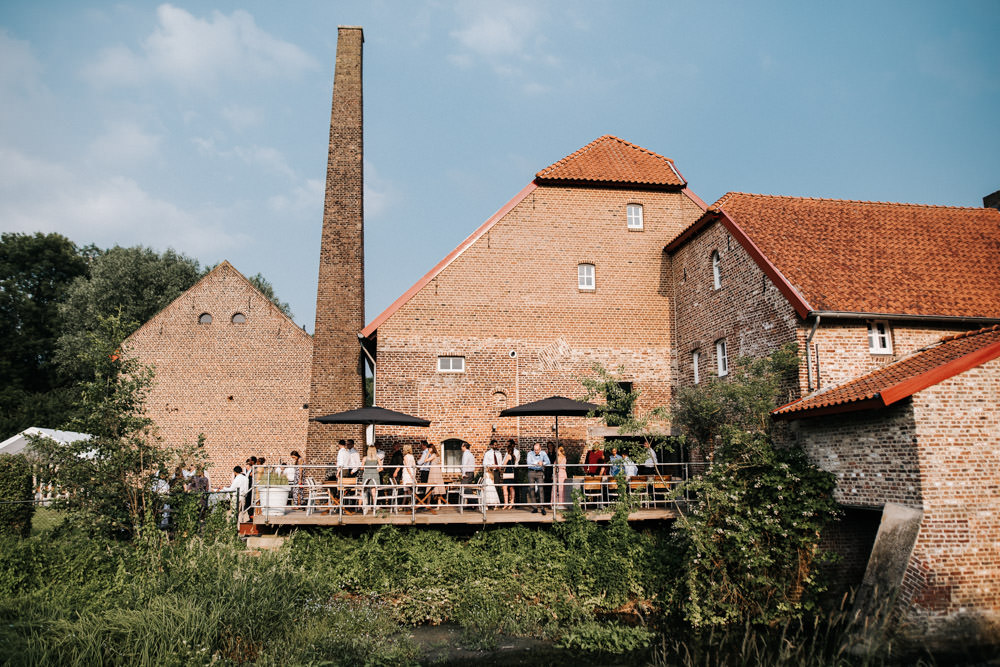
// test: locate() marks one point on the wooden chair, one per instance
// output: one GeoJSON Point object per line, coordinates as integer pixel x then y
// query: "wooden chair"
{"type": "Point", "coordinates": [422, 496]}
{"type": "Point", "coordinates": [639, 488]}
{"type": "Point", "coordinates": [350, 492]}
{"type": "Point", "coordinates": [660, 491]}
{"type": "Point", "coordinates": [611, 488]}
{"type": "Point", "coordinates": [593, 491]}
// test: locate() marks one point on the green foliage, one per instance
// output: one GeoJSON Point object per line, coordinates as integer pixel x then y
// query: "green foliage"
{"type": "Point", "coordinates": [132, 284]}
{"type": "Point", "coordinates": [746, 549]}
{"type": "Point", "coordinates": [110, 477]}
{"type": "Point", "coordinates": [16, 507]}
{"type": "Point", "coordinates": [265, 287]}
{"type": "Point", "coordinates": [35, 272]}
{"type": "Point", "coordinates": [606, 637]}
{"type": "Point", "coordinates": [618, 410]}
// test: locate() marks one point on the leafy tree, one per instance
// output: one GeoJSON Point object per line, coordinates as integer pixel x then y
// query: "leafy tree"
{"type": "Point", "coordinates": [265, 287]}
{"type": "Point", "coordinates": [747, 545]}
{"type": "Point", "coordinates": [133, 284]}
{"type": "Point", "coordinates": [35, 272]}
{"type": "Point", "coordinates": [16, 507]}
{"type": "Point", "coordinates": [618, 410]}
{"type": "Point", "coordinates": [111, 478]}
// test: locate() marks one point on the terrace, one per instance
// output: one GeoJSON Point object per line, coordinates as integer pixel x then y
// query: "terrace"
{"type": "Point", "coordinates": [320, 499]}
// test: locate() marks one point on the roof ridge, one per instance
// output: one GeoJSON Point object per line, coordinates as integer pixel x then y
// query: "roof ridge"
{"type": "Point", "coordinates": [720, 200]}
{"type": "Point", "coordinates": [605, 139]}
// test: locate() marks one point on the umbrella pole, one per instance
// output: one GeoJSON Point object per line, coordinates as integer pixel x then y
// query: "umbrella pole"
{"type": "Point", "coordinates": [557, 433]}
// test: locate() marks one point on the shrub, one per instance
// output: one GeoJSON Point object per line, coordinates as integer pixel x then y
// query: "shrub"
{"type": "Point", "coordinates": [16, 506]}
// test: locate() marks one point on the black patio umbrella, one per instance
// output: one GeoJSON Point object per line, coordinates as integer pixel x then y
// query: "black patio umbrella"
{"type": "Point", "coordinates": [553, 406]}
{"type": "Point", "coordinates": [372, 415]}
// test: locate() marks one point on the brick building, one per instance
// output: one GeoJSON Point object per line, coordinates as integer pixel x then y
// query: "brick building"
{"type": "Point", "coordinates": [569, 273]}
{"type": "Point", "coordinates": [887, 302]}
{"type": "Point", "coordinates": [228, 364]}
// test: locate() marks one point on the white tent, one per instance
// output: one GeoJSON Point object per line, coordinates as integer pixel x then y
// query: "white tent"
{"type": "Point", "coordinates": [16, 443]}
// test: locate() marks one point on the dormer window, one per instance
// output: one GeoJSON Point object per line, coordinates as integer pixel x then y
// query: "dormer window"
{"type": "Point", "coordinates": [879, 340]}
{"type": "Point", "coordinates": [633, 215]}
{"type": "Point", "coordinates": [716, 270]}
{"type": "Point", "coordinates": [585, 277]}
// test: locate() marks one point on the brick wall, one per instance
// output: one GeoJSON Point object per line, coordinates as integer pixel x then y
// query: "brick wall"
{"type": "Point", "coordinates": [952, 585]}
{"type": "Point", "coordinates": [747, 310]}
{"type": "Point", "coordinates": [337, 373]}
{"type": "Point", "coordinates": [515, 289]}
{"type": "Point", "coordinates": [242, 385]}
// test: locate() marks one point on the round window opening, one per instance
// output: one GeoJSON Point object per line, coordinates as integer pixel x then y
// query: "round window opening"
{"type": "Point", "coordinates": [239, 318]}
{"type": "Point", "coordinates": [204, 318]}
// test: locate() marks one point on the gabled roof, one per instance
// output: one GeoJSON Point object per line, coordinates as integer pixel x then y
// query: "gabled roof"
{"type": "Point", "coordinates": [870, 258]}
{"type": "Point", "coordinates": [223, 267]}
{"type": "Point", "coordinates": [901, 379]}
{"type": "Point", "coordinates": [610, 160]}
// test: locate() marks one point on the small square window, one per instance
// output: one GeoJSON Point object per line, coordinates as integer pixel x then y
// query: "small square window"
{"type": "Point", "coordinates": [633, 214]}
{"type": "Point", "coordinates": [879, 340]}
{"type": "Point", "coordinates": [695, 356]}
{"type": "Point", "coordinates": [722, 357]}
{"type": "Point", "coordinates": [585, 276]}
{"type": "Point", "coordinates": [451, 364]}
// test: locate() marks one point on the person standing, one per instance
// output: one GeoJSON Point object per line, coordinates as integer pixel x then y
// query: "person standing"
{"type": "Point", "coordinates": [369, 481]}
{"type": "Point", "coordinates": [409, 474]}
{"type": "Point", "coordinates": [423, 467]}
{"type": "Point", "coordinates": [491, 463]}
{"type": "Point", "coordinates": [507, 472]}
{"type": "Point", "coordinates": [294, 475]}
{"type": "Point", "coordinates": [649, 465]}
{"type": "Point", "coordinates": [341, 460]}
{"type": "Point", "coordinates": [537, 462]}
{"type": "Point", "coordinates": [396, 463]}
{"type": "Point", "coordinates": [468, 464]}
{"type": "Point", "coordinates": [435, 475]}
{"type": "Point", "coordinates": [353, 458]}
{"type": "Point", "coordinates": [560, 477]}
{"type": "Point", "coordinates": [240, 486]}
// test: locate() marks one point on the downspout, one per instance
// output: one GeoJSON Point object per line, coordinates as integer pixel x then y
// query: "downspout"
{"type": "Point", "coordinates": [809, 377]}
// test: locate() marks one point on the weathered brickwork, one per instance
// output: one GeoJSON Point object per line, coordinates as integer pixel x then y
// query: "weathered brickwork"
{"type": "Point", "coordinates": [516, 290]}
{"type": "Point", "coordinates": [952, 585]}
{"type": "Point", "coordinates": [337, 373]}
{"type": "Point", "coordinates": [241, 384]}
{"type": "Point", "coordinates": [940, 452]}
{"type": "Point", "coordinates": [873, 454]}
{"type": "Point", "coordinates": [841, 346]}
{"type": "Point", "coordinates": [747, 310]}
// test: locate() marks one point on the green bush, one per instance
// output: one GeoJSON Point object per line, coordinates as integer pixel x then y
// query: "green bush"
{"type": "Point", "coordinates": [16, 506]}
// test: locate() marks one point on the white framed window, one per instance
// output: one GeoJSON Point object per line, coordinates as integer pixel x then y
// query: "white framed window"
{"type": "Point", "coordinates": [451, 364]}
{"type": "Point", "coordinates": [585, 276]}
{"type": "Point", "coordinates": [722, 357]}
{"type": "Point", "coordinates": [716, 270]}
{"type": "Point", "coordinates": [879, 340]}
{"type": "Point", "coordinates": [695, 357]}
{"type": "Point", "coordinates": [633, 215]}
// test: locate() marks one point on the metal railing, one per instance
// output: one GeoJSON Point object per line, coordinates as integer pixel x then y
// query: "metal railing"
{"type": "Point", "coordinates": [279, 491]}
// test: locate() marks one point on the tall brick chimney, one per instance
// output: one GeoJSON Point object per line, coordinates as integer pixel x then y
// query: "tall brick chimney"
{"type": "Point", "coordinates": [337, 371]}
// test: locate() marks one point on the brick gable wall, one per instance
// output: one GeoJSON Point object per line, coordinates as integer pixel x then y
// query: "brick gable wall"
{"type": "Point", "coordinates": [242, 385]}
{"type": "Point", "coordinates": [515, 289]}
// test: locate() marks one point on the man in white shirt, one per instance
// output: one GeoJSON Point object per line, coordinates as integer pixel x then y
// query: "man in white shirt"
{"type": "Point", "coordinates": [341, 458]}
{"type": "Point", "coordinates": [353, 458]}
{"type": "Point", "coordinates": [468, 464]}
{"type": "Point", "coordinates": [423, 465]}
{"type": "Point", "coordinates": [492, 461]}
{"type": "Point", "coordinates": [241, 485]}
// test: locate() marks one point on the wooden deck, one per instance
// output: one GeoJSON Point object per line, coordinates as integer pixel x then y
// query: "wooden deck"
{"type": "Point", "coordinates": [446, 515]}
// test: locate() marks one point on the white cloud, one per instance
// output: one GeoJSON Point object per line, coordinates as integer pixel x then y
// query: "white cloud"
{"type": "Point", "coordinates": [194, 53]}
{"type": "Point", "coordinates": [264, 157]}
{"type": "Point", "coordinates": [306, 196]}
{"type": "Point", "coordinates": [36, 195]}
{"type": "Point", "coordinates": [20, 71]}
{"type": "Point", "coordinates": [125, 144]}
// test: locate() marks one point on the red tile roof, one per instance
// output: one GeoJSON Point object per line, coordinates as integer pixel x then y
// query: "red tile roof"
{"type": "Point", "coordinates": [900, 379]}
{"type": "Point", "coordinates": [609, 159]}
{"type": "Point", "coordinates": [869, 257]}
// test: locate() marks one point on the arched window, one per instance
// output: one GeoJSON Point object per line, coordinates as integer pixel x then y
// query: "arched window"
{"type": "Point", "coordinates": [239, 318]}
{"type": "Point", "coordinates": [205, 318]}
{"type": "Point", "coordinates": [716, 270]}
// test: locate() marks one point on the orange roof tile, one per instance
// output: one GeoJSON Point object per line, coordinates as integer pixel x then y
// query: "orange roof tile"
{"type": "Point", "coordinates": [900, 379]}
{"type": "Point", "coordinates": [609, 159]}
{"type": "Point", "coordinates": [870, 257]}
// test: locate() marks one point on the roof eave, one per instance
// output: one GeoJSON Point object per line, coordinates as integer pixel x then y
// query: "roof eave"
{"type": "Point", "coordinates": [618, 185]}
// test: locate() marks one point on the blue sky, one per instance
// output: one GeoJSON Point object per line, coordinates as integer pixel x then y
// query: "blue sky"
{"type": "Point", "coordinates": [203, 126]}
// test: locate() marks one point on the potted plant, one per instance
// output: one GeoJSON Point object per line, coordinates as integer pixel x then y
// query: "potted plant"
{"type": "Point", "coordinates": [272, 490]}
